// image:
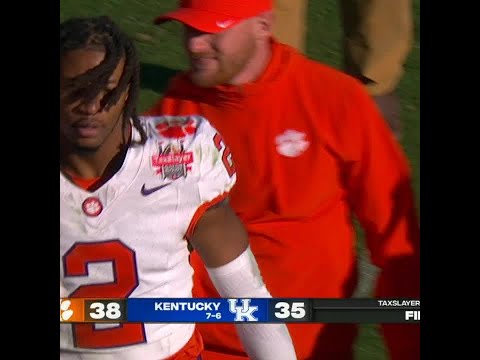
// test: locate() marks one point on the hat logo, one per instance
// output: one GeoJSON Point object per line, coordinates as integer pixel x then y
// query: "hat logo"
{"type": "Point", "coordinates": [224, 24]}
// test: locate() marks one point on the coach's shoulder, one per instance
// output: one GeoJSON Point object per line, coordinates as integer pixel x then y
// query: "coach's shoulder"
{"type": "Point", "coordinates": [330, 78]}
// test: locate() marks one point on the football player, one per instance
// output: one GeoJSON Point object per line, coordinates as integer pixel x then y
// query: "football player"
{"type": "Point", "coordinates": [134, 193]}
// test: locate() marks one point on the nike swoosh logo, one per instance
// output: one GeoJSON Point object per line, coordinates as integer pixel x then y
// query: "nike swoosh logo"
{"type": "Point", "coordinates": [224, 24]}
{"type": "Point", "coordinates": [146, 192]}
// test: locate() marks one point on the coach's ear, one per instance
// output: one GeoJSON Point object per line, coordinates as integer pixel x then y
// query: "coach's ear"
{"type": "Point", "coordinates": [263, 24]}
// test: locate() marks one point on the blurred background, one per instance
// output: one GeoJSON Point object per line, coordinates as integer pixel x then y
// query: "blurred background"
{"type": "Point", "coordinates": [162, 56]}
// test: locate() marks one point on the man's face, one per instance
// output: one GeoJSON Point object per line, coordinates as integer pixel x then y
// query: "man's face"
{"type": "Point", "coordinates": [216, 59]}
{"type": "Point", "coordinates": [86, 124]}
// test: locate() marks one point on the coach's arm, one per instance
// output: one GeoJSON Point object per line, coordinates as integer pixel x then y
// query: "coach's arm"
{"type": "Point", "coordinates": [222, 242]}
{"type": "Point", "coordinates": [378, 181]}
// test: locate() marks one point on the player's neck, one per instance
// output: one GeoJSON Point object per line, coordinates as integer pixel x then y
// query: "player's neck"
{"type": "Point", "coordinates": [102, 162]}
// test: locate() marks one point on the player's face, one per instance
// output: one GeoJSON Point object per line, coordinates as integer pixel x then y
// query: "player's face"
{"type": "Point", "coordinates": [217, 59]}
{"type": "Point", "coordinates": [87, 124]}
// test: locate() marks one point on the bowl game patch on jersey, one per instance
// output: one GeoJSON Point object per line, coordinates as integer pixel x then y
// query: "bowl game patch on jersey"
{"type": "Point", "coordinates": [172, 161]}
{"type": "Point", "coordinates": [173, 133]}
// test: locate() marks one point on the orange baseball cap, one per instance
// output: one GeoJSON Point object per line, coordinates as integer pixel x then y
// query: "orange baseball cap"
{"type": "Point", "coordinates": [214, 15]}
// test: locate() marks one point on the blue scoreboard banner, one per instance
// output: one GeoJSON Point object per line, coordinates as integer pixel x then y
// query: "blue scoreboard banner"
{"type": "Point", "coordinates": [203, 310]}
{"type": "Point", "coordinates": [198, 310]}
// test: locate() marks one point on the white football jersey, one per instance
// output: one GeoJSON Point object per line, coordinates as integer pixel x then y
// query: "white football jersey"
{"type": "Point", "coordinates": [127, 238]}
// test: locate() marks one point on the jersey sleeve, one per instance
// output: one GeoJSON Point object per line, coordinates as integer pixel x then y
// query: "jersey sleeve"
{"type": "Point", "coordinates": [217, 174]}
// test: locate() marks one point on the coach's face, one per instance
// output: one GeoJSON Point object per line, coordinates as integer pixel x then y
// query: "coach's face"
{"type": "Point", "coordinates": [218, 58]}
{"type": "Point", "coordinates": [86, 124]}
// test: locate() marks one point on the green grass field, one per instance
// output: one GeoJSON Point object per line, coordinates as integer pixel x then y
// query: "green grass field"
{"type": "Point", "coordinates": [162, 55]}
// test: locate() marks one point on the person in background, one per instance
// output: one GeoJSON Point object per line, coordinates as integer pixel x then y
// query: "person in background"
{"type": "Point", "coordinates": [311, 149]}
{"type": "Point", "coordinates": [377, 39]}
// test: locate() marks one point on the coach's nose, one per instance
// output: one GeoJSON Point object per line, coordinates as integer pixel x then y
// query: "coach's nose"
{"type": "Point", "coordinates": [197, 42]}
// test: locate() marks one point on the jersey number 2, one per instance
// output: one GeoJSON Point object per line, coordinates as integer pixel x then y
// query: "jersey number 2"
{"type": "Point", "coordinates": [227, 154]}
{"type": "Point", "coordinates": [125, 281]}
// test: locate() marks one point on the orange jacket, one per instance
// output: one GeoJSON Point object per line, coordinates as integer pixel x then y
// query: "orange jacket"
{"type": "Point", "coordinates": [310, 148]}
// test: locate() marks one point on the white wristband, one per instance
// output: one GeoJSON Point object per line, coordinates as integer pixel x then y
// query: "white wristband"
{"type": "Point", "coordinates": [241, 278]}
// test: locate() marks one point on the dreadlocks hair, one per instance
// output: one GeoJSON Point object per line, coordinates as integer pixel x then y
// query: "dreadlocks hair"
{"type": "Point", "coordinates": [103, 34]}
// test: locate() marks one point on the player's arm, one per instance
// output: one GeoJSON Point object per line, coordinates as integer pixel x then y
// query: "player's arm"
{"type": "Point", "coordinates": [221, 240]}
{"type": "Point", "coordinates": [379, 187]}
{"type": "Point", "coordinates": [219, 236]}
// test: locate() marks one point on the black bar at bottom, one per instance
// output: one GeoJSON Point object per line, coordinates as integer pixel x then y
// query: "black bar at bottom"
{"type": "Point", "coordinates": [346, 316]}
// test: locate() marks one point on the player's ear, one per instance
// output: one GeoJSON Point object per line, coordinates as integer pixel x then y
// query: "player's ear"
{"type": "Point", "coordinates": [263, 25]}
{"type": "Point", "coordinates": [127, 93]}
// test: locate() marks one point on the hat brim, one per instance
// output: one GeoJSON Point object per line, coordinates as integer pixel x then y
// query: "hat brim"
{"type": "Point", "coordinates": [198, 19]}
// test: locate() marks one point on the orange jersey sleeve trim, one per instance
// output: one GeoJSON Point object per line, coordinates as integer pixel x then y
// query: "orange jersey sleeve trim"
{"type": "Point", "coordinates": [201, 210]}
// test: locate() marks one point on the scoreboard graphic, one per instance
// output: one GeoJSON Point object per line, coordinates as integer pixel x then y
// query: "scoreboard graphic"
{"type": "Point", "coordinates": [174, 310]}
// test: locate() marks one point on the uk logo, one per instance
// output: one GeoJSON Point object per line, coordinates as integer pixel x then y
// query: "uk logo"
{"type": "Point", "coordinates": [244, 311]}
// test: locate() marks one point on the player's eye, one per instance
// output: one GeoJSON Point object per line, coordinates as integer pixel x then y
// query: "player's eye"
{"type": "Point", "coordinates": [71, 96]}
